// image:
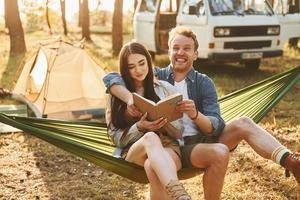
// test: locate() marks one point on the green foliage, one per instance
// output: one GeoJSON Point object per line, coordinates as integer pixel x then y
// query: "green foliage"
{"type": "Point", "coordinates": [100, 18]}
{"type": "Point", "coordinates": [161, 60]}
{"type": "Point", "coordinates": [128, 22]}
{"type": "Point", "coordinates": [35, 17]}
{"type": "Point", "coordinates": [101, 21]}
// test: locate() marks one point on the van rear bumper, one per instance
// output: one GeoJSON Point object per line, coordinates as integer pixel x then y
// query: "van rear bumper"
{"type": "Point", "coordinates": [238, 56]}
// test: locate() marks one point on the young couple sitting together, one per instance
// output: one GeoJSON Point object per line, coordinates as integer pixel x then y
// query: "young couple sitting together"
{"type": "Point", "coordinates": [206, 139]}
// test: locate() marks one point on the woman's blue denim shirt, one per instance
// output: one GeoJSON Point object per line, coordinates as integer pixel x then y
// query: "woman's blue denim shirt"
{"type": "Point", "coordinates": [200, 87]}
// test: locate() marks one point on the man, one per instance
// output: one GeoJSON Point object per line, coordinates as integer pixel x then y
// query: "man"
{"type": "Point", "coordinates": [206, 120]}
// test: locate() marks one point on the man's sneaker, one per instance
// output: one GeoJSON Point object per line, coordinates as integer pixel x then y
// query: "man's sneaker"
{"type": "Point", "coordinates": [292, 164]}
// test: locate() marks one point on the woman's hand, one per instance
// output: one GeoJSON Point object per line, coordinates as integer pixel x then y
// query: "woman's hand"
{"type": "Point", "coordinates": [132, 110]}
{"type": "Point", "coordinates": [144, 125]}
{"type": "Point", "coordinates": [187, 106]}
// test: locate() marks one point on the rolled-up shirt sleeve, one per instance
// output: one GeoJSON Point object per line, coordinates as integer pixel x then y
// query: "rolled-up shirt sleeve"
{"type": "Point", "coordinates": [211, 107]}
{"type": "Point", "coordinates": [121, 137]}
{"type": "Point", "coordinates": [131, 135]}
{"type": "Point", "coordinates": [113, 78]}
{"type": "Point", "coordinates": [218, 125]}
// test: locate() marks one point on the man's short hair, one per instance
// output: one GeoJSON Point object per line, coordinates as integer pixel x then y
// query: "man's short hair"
{"type": "Point", "coordinates": [185, 31]}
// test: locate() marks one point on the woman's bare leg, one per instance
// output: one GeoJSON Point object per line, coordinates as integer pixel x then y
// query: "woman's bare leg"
{"type": "Point", "coordinates": [157, 190]}
{"type": "Point", "coordinates": [149, 146]}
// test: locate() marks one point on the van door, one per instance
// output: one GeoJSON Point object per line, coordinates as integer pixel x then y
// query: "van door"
{"type": "Point", "coordinates": [165, 21]}
{"type": "Point", "coordinates": [193, 14]}
{"type": "Point", "coordinates": [144, 23]}
{"type": "Point", "coordinates": [289, 17]}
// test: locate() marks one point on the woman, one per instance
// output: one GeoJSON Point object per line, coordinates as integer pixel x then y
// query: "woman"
{"type": "Point", "coordinates": [140, 140]}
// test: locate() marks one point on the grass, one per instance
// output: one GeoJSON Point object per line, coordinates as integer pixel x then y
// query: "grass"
{"type": "Point", "coordinates": [248, 177]}
{"type": "Point", "coordinates": [227, 78]}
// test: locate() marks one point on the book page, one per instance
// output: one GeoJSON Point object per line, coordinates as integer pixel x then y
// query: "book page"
{"type": "Point", "coordinates": [167, 107]}
{"type": "Point", "coordinates": [145, 105]}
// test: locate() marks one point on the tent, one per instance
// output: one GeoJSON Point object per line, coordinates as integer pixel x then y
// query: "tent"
{"type": "Point", "coordinates": [61, 81]}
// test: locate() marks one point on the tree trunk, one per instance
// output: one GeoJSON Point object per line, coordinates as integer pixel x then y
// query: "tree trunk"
{"type": "Point", "coordinates": [135, 5]}
{"type": "Point", "coordinates": [177, 5]}
{"type": "Point", "coordinates": [117, 27]}
{"type": "Point", "coordinates": [85, 20]}
{"type": "Point", "coordinates": [79, 13]}
{"type": "Point", "coordinates": [5, 15]}
{"type": "Point", "coordinates": [98, 4]}
{"type": "Point", "coordinates": [47, 17]}
{"type": "Point", "coordinates": [63, 16]}
{"type": "Point", "coordinates": [14, 25]}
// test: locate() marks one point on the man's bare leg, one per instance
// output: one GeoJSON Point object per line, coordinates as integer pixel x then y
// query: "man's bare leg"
{"type": "Point", "coordinates": [244, 128]}
{"type": "Point", "coordinates": [262, 142]}
{"type": "Point", "coordinates": [214, 159]}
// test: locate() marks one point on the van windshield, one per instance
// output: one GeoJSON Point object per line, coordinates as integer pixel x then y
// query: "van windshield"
{"type": "Point", "coordinates": [147, 6]}
{"type": "Point", "coordinates": [239, 7]}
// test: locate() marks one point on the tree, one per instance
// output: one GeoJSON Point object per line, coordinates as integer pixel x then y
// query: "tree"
{"type": "Point", "coordinates": [79, 12]}
{"type": "Point", "coordinates": [47, 17]}
{"type": "Point", "coordinates": [63, 16]}
{"type": "Point", "coordinates": [98, 4]}
{"type": "Point", "coordinates": [14, 25]}
{"type": "Point", "coordinates": [117, 27]}
{"type": "Point", "coordinates": [85, 20]}
{"type": "Point", "coordinates": [135, 5]}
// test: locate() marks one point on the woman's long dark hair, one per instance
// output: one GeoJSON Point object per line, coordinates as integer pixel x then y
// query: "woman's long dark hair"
{"type": "Point", "coordinates": [118, 107]}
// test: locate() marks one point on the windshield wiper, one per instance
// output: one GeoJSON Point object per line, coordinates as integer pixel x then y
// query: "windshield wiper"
{"type": "Point", "coordinates": [250, 11]}
{"type": "Point", "coordinates": [227, 12]}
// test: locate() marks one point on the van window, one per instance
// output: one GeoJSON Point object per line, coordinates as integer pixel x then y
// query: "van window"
{"type": "Point", "coordinates": [239, 7]}
{"type": "Point", "coordinates": [283, 7]}
{"type": "Point", "coordinates": [147, 6]}
{"type": "Point", "coordinates": [168, 6]}
{"type": "Point", "coordinates": [193, 7]}
{"type": "Point", "coordinates": [280, 6]}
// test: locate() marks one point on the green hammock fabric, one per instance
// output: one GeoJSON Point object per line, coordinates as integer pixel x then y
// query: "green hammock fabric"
{"type": "Point", "coordinates": [89, 139]}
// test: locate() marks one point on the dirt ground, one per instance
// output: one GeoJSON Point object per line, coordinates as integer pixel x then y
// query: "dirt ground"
{"type": "Point", "coordinates": [33, 169]}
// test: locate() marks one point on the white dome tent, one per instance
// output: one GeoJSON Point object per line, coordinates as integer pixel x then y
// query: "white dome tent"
{"type": "Point", "coordinates": [61, 81]}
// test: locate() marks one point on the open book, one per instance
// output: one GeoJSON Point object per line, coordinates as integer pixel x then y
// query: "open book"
{"type": "Point", "coordinates": [164, 108]}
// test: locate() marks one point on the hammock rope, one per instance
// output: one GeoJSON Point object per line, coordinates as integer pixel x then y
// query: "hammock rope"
{"type": "Point", "coordinates": [89, 140]}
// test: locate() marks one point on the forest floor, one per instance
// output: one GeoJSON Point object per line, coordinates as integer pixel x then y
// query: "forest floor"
{"type": "Point", "coordinates": [33, 169]}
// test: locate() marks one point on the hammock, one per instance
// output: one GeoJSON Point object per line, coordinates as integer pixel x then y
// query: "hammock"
{"type": "Point", "coordinates": [89, 139]}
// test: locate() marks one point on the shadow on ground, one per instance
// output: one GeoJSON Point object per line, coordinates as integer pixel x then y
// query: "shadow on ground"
{"type": "Point", "coordinates": [70, 177]}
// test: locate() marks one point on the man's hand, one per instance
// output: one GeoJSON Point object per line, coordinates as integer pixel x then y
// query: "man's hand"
{"type": "Point", "coordinates": [132, 110]}
{"type": "Point", "coordinates": [187, 106]}
{"type": "Point", "coordinates": [144, 125]}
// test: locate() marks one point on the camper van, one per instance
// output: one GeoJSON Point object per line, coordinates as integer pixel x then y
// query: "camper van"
{"type": "Point", "coordinates": [288, 12]}
{"type": "Point", "coordinates": [242, 31]}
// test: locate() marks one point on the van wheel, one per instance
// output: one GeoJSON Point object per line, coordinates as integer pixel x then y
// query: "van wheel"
{"type": "Point", "coordinates": [152, 53]}
{"type": "Point", "coordinates": [252, 64]}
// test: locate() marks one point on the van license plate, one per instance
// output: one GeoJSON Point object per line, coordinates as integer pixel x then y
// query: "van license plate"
{"type": "Point", "coordinates": [252, 55]}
